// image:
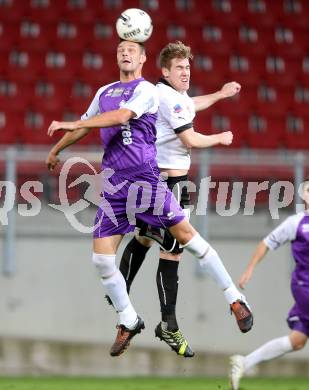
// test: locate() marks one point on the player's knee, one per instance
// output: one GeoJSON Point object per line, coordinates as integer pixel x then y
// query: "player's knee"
{"type": "Point", "coordinates": [183, 232]}
{"type": "Point", "coordinates": [199, 247]}
{"type": "Point", "coordinates": [299, 344]}
{"type": "Point", "coordinates": [105, 264]}
{"type": "Point", "coordinates": [170, 256]}
{"type": "Point", "coordinates": [144, 241]}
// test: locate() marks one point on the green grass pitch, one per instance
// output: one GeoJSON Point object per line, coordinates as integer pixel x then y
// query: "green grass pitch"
{"type": "Point", "coordinates": [40, 383]}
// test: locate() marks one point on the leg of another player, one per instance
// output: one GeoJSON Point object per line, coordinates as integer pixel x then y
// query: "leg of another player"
{"type": "Point", "coordinates": [167, 284]}
{"type": "Point", "coordinates": [270, 350]}
{"type": "Point", "coordinates": [209, 259]}
{"type": "Point", "coordinates": [133, 257]}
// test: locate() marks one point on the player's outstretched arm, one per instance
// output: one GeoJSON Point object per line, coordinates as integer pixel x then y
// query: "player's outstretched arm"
{"type": "Point", "coordinates": [107, 119]}
{"type": "Point", "coordinates": [228, 90]}
{"type": "Point", "coordinates": [193, 139]}
{"type": "Point", "coordinates": [68, 139]}
{"type": "Point", "coordinates": [257, 256]}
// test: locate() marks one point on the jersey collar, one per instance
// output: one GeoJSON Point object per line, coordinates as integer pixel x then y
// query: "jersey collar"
{"type": "Point", "coordinates": [163, 81]}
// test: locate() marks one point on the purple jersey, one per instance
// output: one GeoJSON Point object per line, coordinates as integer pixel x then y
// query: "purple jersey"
{"type": "Point", "coordinates": [132, 144]}
{"type": "Point", "coordinates": [296, 230]}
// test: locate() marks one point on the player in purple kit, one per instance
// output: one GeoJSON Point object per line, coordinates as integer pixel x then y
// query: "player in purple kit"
{"type": "Point", "coordinates": [294, 229]}
{"type": "Point", "coordinates": [126, 113]}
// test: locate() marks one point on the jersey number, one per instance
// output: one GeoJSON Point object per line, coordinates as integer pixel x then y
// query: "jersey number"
{"type": "Point", "coordinates": [126, 134]}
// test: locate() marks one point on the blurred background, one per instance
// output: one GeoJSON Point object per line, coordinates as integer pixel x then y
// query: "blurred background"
{"type": "Point", "coordinates": [54, 55]}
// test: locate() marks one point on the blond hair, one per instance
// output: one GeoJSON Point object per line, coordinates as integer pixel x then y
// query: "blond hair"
{"type": "Point", "coordinates": [174, 50]}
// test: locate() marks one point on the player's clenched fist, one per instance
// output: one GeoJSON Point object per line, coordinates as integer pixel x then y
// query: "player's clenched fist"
{"type": "Point", "coordinates": [230, 89]}
{"type": "Point", "coordinates": [226, 138]}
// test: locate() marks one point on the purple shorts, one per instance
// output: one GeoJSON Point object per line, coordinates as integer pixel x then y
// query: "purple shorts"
{"type": "Point", "coordinates": [130, 195]}
{"type": "Point", "coordinates": [298, 318]}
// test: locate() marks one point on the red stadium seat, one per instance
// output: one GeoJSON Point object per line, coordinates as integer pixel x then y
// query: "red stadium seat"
{"type": "Point", "coordinates": [69, 37]}
{"type": "Point", "coordinates": [239, 104]}
{"type": "Point", "coordinates": [258, 13]}
{"type": "Point", "coordinates": [23, 66]}
{"type": "Point", "coordinates": [298, 138]}
{"type": "Point", "coordinates": [239, 128]}
{"type": "Point", "coordinates": [281, 71]}
{"type": "Point", "coordinates": [102, 37]}
{"type": "Point", "coordinates": [33, 36]}
{"type": "Point", "coordinates": [251, 41]}
{"type": "Point", "coordinates": [209, 69]}
{"type": "Point", "coordinates": [14, 10]}
{"type": "Point", "coordinates": [9, 35]}
{"type": "Point", "coordinates": [9, 127]}
{"type": "Point", "coordinates": [34, 129]}
{"type": "Point", "coordinates": [44, 12]}
{"type": "Point", "coordinates": [211, 39]}
{"type": "Point", "coordinates": [61, 66]}
{"type": "Point", "coordinates": [213, 121]}
{"type": "Point", "coordinates": [202, 122]}
{"type": "Point", "coordinates": [269, 136]}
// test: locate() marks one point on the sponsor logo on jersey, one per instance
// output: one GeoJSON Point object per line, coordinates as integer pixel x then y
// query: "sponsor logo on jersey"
{"type": "Point", "coordinates": [117, 92]}
{"type": "Point", "coordinates": [305, 228]}
{"type": "Point", "coordinates": [177, 108]}
{"type": "Point", "coordinates": [109, 92]}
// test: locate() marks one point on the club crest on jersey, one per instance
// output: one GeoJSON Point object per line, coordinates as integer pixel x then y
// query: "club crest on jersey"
{"type": "Point", "coordinates": [177, 108]}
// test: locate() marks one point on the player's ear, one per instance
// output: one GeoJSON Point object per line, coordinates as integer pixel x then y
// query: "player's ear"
{"type": "Point", "coordinates": [143, 59]}
{"type": "Point", "coordinates": [165, 72]}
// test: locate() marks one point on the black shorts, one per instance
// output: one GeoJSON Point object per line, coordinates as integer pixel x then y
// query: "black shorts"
{"type": "Point", "coordinates": [179, 186]}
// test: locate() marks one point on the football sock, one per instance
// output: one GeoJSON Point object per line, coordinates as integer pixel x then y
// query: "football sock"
{"type": "Point", "coordinates": [271, 350]}
{"type": "Point", "coordinates": [167, 284]}
{"type": "Point", "coordinates": [209, 260]}
{"type": "Point", "coordinates": [131, 261]}
{"type": "Point", "coordinates": [116, 289]}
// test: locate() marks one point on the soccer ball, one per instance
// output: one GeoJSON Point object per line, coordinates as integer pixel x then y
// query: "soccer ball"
{"type": "Point", "coordinates": [134, 25]}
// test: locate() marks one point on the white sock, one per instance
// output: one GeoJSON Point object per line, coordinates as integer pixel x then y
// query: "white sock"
{"type": "Point", "coordinates": [231, 294]}
{"type": "Point", "coordinates": [210, 261]}
{"type": "Point", "coordinates": [115, 286]}
{"type": "Point", "coordinates": [271, 350]}
{"type": "Point", "coordinates": [128, 317]}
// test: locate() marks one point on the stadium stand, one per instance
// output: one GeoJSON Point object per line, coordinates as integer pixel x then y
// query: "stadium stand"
{"type": "Point", "coordinates": [55, 54]}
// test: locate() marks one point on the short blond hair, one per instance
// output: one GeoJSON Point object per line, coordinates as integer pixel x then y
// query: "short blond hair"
{"type": "Point", "coordinates": [174, 50]}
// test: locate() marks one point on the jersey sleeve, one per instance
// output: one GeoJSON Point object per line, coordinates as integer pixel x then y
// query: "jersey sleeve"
{"type": "Point", "coordinates": [94, 108]}
{"type": "Point", "coordinates": [143, 100]}
{"type": "Point", "coordinates": [176, 115]}
{"type": "Point", "coordinates": [286, 231]}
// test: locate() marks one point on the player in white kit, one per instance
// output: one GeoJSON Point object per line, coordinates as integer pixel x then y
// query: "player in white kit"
{"type": "Point", "coordinates": [175, 138]}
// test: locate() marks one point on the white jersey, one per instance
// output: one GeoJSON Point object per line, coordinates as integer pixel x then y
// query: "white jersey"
{"type": "Point", "coordinates": [285, 232]}
{"type": "Point", "coordinates": [175, 115]}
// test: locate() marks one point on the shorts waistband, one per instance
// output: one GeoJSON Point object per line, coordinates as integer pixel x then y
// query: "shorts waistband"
{"type": "Point", "coordinates": [137, 169]}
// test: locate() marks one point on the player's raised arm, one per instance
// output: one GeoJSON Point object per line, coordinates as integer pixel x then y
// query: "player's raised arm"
{"type": "Point", "coordinates": [193, 139]}
{"type": "Point", "coordinates": [68, 139]}
{"type": "Point", "coordinates": [106, 119]}
{"type": "Point", "coordinates": [257, 256]}
{"type": "Point", "coordinates": [228, 90]}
